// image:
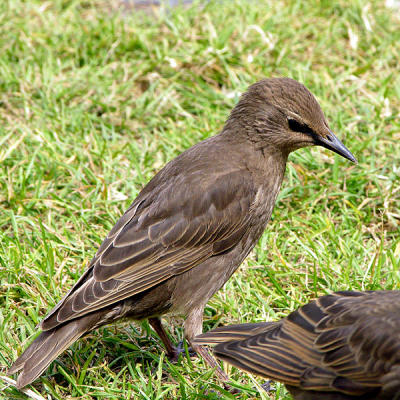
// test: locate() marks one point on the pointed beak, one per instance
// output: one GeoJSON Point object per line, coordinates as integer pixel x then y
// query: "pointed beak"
{"type": "Point", "coordinates": [331, 142]}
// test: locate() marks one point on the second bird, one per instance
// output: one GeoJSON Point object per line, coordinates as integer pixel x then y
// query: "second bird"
{"type": "Point", "coordinates": [343, 346]}
{"type": "Point", "coordinates": [191, 226]}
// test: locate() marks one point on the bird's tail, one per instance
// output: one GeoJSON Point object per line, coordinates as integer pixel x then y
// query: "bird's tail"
{"type": "Point", "coordinates": [48, 345]}
{"type": "Point", "coordinates": [231, 333]}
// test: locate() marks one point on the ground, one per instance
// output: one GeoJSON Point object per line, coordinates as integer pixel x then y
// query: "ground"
{"type": "Point", "coordinates": [96, 97]}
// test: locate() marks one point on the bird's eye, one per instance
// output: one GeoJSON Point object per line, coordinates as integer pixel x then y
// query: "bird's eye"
{"type": "Point", "coordinates": [297, 126]}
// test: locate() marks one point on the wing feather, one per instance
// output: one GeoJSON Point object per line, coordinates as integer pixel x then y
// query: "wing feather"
{"type": "Point", "coordinates": [161, 236]}
{"type": "Point", "coordinates": [346, 342]}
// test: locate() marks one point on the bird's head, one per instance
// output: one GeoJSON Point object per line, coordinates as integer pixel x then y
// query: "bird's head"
{"type": "Point", "coordinates": [280, 113]}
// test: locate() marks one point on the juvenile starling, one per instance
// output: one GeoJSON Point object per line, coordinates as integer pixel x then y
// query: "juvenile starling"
{"type": "Point", "coordinates": [190, 227]}
{"type": "Point", "coordinates": [344, 346]}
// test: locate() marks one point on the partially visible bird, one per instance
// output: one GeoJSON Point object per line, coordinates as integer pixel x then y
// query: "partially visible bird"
{"type": "Point", "coordinates": [190, 227]}
{"type": "Point", "coordinates": [343, 346]}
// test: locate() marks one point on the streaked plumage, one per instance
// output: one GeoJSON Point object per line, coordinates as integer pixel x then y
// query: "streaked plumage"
{"type": "Point", "coordinates": [191, 226]}
{"type": "Point", "coordinates": [339, 347]}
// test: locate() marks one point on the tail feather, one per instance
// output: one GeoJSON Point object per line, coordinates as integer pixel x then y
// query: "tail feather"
{"type": "Point", "coordinates": [232, 333]}
{"type": "Point", "coordinates": [48, 346]}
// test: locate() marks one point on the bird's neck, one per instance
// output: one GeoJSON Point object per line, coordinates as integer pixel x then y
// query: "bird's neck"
{"type": "Point", "coordinates": [268, 161]}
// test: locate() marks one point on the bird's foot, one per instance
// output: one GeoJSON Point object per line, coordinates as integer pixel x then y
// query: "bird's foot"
{"type": "Point", "coordinates": [181, 349]}
{"type": "Point", "coordinates": [267, 386]}
{"type": "Point", "coordinates": [231, 389]}
{"type": "Point", "coordinates": [173, 356]}
{"type": "Point", "coordinates": [226, 387]}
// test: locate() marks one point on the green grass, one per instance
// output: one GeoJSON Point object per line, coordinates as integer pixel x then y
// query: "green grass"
{"type": "Point", "coordinates": [94, 99]}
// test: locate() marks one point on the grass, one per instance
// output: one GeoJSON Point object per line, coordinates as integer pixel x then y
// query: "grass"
{"type": "Point", "coordinates": [95, 98]}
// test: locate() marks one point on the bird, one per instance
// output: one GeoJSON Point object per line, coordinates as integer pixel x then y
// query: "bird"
{"type": "Point", "coordinates": [190, 227]}
{"type": "Point", "coordinates": [341, 346]}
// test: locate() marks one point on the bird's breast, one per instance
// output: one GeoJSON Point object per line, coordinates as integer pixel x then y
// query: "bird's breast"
{"type": "Point", "coordinates": [196, 286]}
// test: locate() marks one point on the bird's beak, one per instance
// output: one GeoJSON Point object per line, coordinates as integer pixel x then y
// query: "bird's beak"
{"type": "Point", "coordinates": [331, 142]}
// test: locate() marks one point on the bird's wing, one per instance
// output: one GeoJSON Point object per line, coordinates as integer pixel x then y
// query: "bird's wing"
{"type": "Point", "coordinates": [360, 339]}
{"type": "Point", "coordinates": [170, 228]}
{"type": "Point", "coordinates": [263, 354]}
{"type": "Point", "coordinates": [230, 333]}
{"type": "Point", "coordinates": [344, 342]}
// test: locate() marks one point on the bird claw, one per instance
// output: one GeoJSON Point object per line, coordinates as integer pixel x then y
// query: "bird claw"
{"type": "Point", "coordinates": [267, 386]}
{"type": "Point", "coordinates": [226, 387]}
{"type": "Point", "coordinates": [231, 389]}
{"type": "Point", "coordinates": [180, 349]}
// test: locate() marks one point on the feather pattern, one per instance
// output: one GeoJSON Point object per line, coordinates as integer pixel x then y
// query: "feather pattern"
{"type": "Point", "coordinates": [347, 344]}
{"type": "Point", "coordinates": [152, 243]}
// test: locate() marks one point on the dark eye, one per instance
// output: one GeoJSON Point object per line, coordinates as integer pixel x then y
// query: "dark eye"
{"type": "Point", "coordinates": [297, 126]}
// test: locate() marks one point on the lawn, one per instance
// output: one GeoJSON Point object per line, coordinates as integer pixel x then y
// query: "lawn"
{"type": "Point", "coordinates": [96, 97]}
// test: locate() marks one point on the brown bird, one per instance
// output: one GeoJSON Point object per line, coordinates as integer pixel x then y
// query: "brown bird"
{"type": "Point", "coordinates": [190, 227]}
{"type": "Point", "coordinates": [344, 346]}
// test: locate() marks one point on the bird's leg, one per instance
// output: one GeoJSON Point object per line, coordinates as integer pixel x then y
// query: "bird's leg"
{"type": "Point", "coordinates": [172, 351]}
{"type": "Point", "coordinates": [212, 362]}
{"type": "Point", "coordinates": [194, 327]}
